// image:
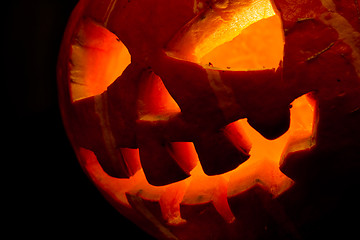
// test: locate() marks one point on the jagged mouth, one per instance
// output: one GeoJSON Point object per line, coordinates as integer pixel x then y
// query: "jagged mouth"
{"type": "Point", "coordinates": [90, 62]}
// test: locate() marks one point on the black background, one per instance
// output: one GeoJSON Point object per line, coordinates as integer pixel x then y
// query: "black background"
{"type": "Point", "coordinates": [45, 190]}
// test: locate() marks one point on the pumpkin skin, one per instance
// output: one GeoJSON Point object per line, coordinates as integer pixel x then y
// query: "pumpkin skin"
{"type": "Point", "coordinates": [160, 136]}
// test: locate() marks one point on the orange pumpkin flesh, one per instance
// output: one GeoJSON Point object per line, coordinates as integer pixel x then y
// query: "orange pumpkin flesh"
{"type": "Point", "coordinates": [164, 135]}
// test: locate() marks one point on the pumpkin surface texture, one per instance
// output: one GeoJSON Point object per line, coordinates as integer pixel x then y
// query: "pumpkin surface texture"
{"type": "Point", "coordinates": [216, 119]}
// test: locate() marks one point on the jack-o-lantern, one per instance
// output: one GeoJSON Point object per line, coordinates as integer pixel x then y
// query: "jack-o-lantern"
{"type": "Point", "coordinates": [194, 118]}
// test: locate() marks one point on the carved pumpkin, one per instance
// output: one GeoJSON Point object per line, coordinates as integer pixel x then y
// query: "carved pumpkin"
{"type": "Point", "coordinates": [183, 112]}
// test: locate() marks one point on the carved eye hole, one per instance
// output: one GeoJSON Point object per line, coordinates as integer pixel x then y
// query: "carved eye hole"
{"type": "Point", "coordinates": [232, 35]}
{"type": "Point", "coordinates": [97, 59]}
{"type": "Point", "coordinates": [258, 46]}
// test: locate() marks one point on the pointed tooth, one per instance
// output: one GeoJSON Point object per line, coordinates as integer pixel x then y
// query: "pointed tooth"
{"type": "Point", "coordinates": [94, 134]}
{"type": "Point", "coordinates": [121, 96]}
{"type": "Point", "coordinates": [217, 153]}
{"type": "Point", "coordinates": [185, 155]}
{"type": "Point", "coordinates": [264, 99]}
{"type": "Point", "coordinates": [156, 155]}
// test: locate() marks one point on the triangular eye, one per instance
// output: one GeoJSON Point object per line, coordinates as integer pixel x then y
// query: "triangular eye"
{"type": "Point", "coordinates": [217, 23]}
{"type": "Point", "coordinates": [259, 46]}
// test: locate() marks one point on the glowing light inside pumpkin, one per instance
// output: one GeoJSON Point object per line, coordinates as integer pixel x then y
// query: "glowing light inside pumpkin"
{"type": "Point", "coordinates": [98, 59]}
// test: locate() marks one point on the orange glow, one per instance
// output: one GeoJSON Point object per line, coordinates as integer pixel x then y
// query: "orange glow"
{"type": "Point", "coordinates": [262, 168]}
{"type": "Point", "coordinates": [263, 165]}
{"type": "Point", "coordinates": [98, 59]}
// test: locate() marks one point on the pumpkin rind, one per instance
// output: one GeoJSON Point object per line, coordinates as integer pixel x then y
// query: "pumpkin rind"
{"type": "Point", "coordinates": [147, 157]}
